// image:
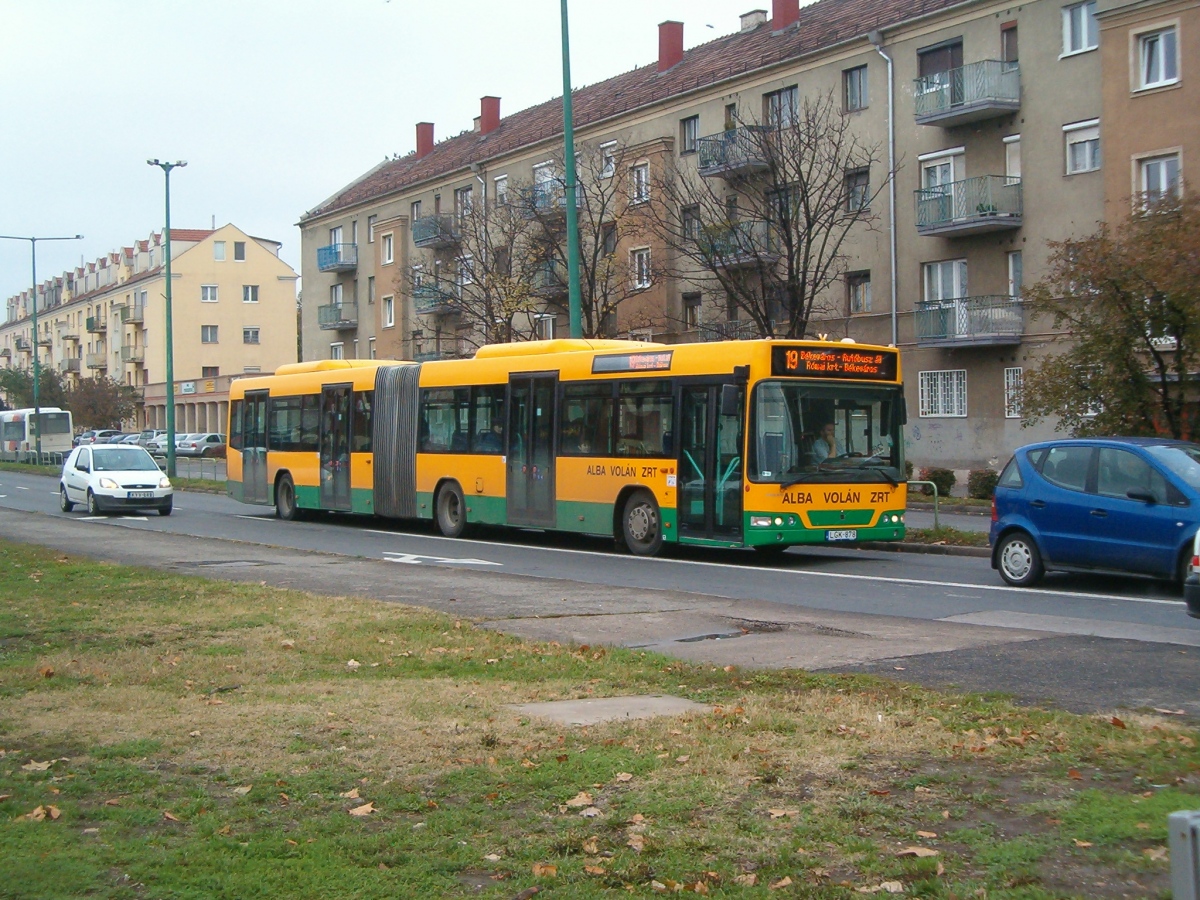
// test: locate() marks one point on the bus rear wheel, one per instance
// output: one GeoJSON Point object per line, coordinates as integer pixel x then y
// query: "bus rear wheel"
{"type": "Point", "coordinates": [641, 524]}
{"type": "Point", "coordinates": [451, 510]}
{"type": "Point", "coordinates": [285, 500]}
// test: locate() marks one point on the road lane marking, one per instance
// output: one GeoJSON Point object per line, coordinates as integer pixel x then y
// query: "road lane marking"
{"type": "Point", "coordinates": [422, 559]}
{"type": "Point", "coordinates": [255, 518]}
{"type": "Point", "coordinates": [923, 582]}
{"type": "Point", "coordinates": [19, 488]}
{"type": "Point", "coordinates": [1151, 634]}
{"type": "Point", "coordinates": [115, 520]}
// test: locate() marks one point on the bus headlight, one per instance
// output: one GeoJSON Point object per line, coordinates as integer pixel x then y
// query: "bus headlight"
{"type": "Point", "coordinates": [760, 521]}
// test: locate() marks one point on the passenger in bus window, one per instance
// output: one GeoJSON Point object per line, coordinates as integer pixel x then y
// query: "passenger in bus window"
{"type": "Point", "coordinates": [492, 441]}
{"type": "Point", "coordinates": [827, 446]}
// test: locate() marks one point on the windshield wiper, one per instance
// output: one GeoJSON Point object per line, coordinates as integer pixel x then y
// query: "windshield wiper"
{"type": "Point", "coordinates": [887, 476]}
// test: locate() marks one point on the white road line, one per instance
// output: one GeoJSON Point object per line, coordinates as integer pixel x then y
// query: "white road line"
{"type": "Point", "coordinates": [114, 520]}
{"type": "Point", "coordinates": [1001, 588]}
{"type": "Point", "coordinates": [419, 559]}
{"type": "Point", "coordinates": [253, 518]}
{"type": "Point", "coordinates": [19, 488]}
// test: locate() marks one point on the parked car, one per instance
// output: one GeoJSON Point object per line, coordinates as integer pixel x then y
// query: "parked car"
{"type": "Point", "coordinates": [84, 437]}
{"type": "Point", "coordinates": [1191, 584]}
{"type": "Point", "coordinates": [128, 439]}
{"type": "Point", "coordinates": [108, 437]}
{"type": "Point", "coordinates": [91, 437]}
{"type": "Point", "coordinates": [209, 444]}
{"type": "Point", "coordinates": [107, 478]}
{"type": "Point", "coordinates": [158, 444]}
{"type": "Point", "coordinates": [149, 435]}
{"type": "Point", "coordinates": [1129, 505]}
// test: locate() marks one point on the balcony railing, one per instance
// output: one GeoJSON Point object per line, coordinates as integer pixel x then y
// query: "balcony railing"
{"type": "Point", "coordinates": [337, 258]}
{"type": "Point", "coordinates": [45, 340]}
{"type": "Point", "coordinates": [5, 353]}
{"type": "Point", "coordinates": [550, 279]}
{"type": "Point", "coordinates": [96, 325]}
{"type": "Point", "coordinates": [746, 243]}
{"type": "Point", "coordinates": [436, 299]}
{"type": "Point", "coordinates": [338, 316]}
{"type": "Point", "coordinates": [739, 151]}
{"type": "Point", "coordinates": [548, 199]}
{"type": "Point", "coordinates": [69, 364]}
{"type": "Point", "coordinates": [433, 232]}
{"type": "Point", "coordinates": [22, 344]}
{"type": "Point", "coordinates": [68, 333]}
{"type": "Point", "coordinates": [982, 90]}
{"type": "Point", "coordinates": [970, 321]}
{"type": "Point", "coordinates": [96, 360]}
{"type": "Point", "coordinates": [132, 313]}
{"type": "Point", "coordinates": [132, 354]}
{"type": "Point", "coordinates": [973, 206]}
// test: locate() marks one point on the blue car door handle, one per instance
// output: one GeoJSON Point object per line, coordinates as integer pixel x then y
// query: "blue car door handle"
{"type": "Point", "coordinates": [1038, 503]}
{"type": "Point", "coordinates": [1101, 513]}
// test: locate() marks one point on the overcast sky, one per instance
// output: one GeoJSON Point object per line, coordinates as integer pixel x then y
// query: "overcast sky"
{"type": "Point", "coordinates": [275, 104]}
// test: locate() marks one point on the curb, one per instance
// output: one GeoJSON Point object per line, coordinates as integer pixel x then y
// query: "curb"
{"type": "Point", "coordinates": [935, 549]}
{"type": "Point", "coordinates": [956, 509]}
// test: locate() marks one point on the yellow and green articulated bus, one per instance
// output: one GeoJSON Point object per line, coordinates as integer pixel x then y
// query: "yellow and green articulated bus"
{"type": "Point", "coordinates": [763, 444]}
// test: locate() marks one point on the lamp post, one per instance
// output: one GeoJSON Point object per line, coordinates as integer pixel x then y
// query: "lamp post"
{"type": "Point", "coordinates": [574, 300]}
{"type": "Point", "coordinates": [167, 167]}
{"type": "Point", "coordinates": [37, 409]}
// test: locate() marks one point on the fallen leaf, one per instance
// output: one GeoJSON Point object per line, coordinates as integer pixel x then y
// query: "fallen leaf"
{"type": "Point", "coordinates": [365, 810]}
{"type": "Point", "coordinates": [1186, 741]}
{"type": "Point", "coordinates": [889, 887]}
{"type": "Point", "coordinates": [353, 665]}
{"type": "Point", "coordinates": [169, 816]}
{"type": "Point", "coordinates": [1074, 773]}
{"type": "Point", "coordinates": [46, 671]}
{"type": "Point", "coordinates": [945, 813]}
{"type": "Point", "coordinates": [783, 813]}
{"type": "Point", "coordinates": [193, 734]}
{"type": "Point", "coordinates": [529, 891]}
{"type": "Point", "coordinates": [1156, 853]}
{"type": "Point", "coordinates": [288, 644]}
{"type": "Point", "coordinates": [589, 812]}
{"type": "Point", "coordinates": [921, 789]}
{"type": "Point", "coordinates": [37, 814]}
{"type": "Point", "coordinates": [595, 870]}
{"type": "Point", "coordinates": [637, 842]}
{"type": "Point", "coordinates": [243, 790]}
{"type": "Point", "coordinates": [1079, 843]}
{"type": "Point", "coordinates": [294, 844]}
{"type": "Point", "coordinates": [781, 883]}
{"type": "Point", "coordinates": [32, 766]}
{"type": "Point", "coordinates": [351, 794]}
{"type": "Point", "coordinates": [917, 851]}
{"type": "Point", "coordinates": [583, 798]}
{"type": "Point", "coordinates": [941, 870]}
{"type": "Point", "coordinates": [591, 846]}
{"type": "Point", "coordinates": [878, 793]}
{"type": "Point", "coordinates": [730, 668]}
{"type": "Point", "coordinates": [544, 870]}
{"type": "Point", "coordinates": [493, 857]}
{"type": "Point", "coordinates": [747, 880]}
{"type": "Point", "coordinates": [623, 777]}
{"type": "Point", "coordinates": [927, 834]}
{"type": "Point", "coordinates": [682, 759]}
{"type": "Point", "coordinates": [1114, 720]}
{"type": "Point", "coordinates": [115, 801]}
{"type": "Point", "coordinates": [4, 797]}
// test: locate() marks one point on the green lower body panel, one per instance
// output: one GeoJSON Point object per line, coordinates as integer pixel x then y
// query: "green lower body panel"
{"type": "Point", "coordinates": [308, 497]}
{"type": "Point", "coordinates": [234, 489]}
{"type": "Point", "coordinates": [487, 510]}
{"type": "Point", "coordinates": [788, 534]}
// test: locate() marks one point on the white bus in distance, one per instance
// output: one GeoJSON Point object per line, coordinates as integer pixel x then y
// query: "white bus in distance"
{"type": "Point", "coordinates": [18, 440]}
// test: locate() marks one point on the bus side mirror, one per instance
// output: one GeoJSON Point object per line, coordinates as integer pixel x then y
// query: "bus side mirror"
{"type": "Point", "coordinates": [730, 400]}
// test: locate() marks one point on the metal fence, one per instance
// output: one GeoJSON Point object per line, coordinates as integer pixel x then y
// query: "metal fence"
{"type": "Point", "coordinates": [987, 82]}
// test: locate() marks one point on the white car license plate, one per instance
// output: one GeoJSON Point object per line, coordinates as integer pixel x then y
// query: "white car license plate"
{"type": "Point", "coordinates": [141, 495]}
{"type": "Point", "coordinates": [850, 535]}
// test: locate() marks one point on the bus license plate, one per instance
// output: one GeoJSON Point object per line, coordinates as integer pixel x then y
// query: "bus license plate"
{"type": "Point", "coordinates": [141, 495]}
{"type": "Point", "coordinates": [851, 535]}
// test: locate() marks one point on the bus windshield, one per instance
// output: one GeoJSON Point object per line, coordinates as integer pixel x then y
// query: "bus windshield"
{"type": "Point", "coordinates": [825, 433]}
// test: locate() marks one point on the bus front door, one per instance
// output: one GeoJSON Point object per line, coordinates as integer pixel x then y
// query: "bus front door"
{"type": "Point", "coordinates": [254, 448]}
{"type": "Point", "coordinates": [710, 464]}
{"type": "Point", "coordinates": [530, 457]}
{"type": "Point", "coordinates": [335, 447]}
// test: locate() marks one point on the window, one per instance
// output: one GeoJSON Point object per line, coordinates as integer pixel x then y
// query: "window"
{"type": "Point", "coordinates": [239, 251]}
{"type": "Point", "coordinates": [1083, 146]}
{"type": "Point", "coordinates": [502, 190]}
{"type": "Point", "coordinates": [858, 291]}
{"type": "Point", "coordinates": [934, 65]}
{"type": "Point", "coordinates": [854, 88]}
{"type": "Point", "coordinates": [337, 351]}
{"type": "Point", "coordinates": [1159, 61]}
{"type": "Point", "coordinates": [644, 418]}
{"type": "Point", "coordinates": [1012, 392]}
{"type": "Point", "coordinates": [779, 107]}
{"type": "Point", "coordinates": [731, 116]}
{"type": "Point", "coordinates": [210, 371]}
{"type": "Point", "coordinates": [1016, 273]}
{"type": "Point", "coordinates": [544, 325]}
{"type": "Point", "coordinates": [249, 293]}
{"type": "Point", "coordinates": [1008, 43]}
{"type": "Point", "coordinates": [1159, 178]}
{"type": "Point", "coordinates": [371, 229]}
{"type": "Point", "coordinates": [640, 190]}
{"type": "Point", "coordinates": [335, 294]}
{"type": "Point", "coordinates": [691, 312]}
{"type": "Point", "coordinates": [1119, 471]}
{"type": "Point", "coordinates": [943, 393]}
{"type": "Point", "coordinates": [218, 251]}
{"type": "Point", "coordinates": [689, 134]}
{"type": "Point", "coordinates": [208, 334]}
{"type": "Point", "coordinates": [370, 289]}
{"type": "Point", "coordinates": [208, 293]}
{"type": "Point", "coordinates": [335, 234]}
{"type": "Point", "coordinates": [858, 190]}
{"type": "Point", "coordinates": [1080, 31]}
{"type": "Point", "coordinates": [608, 159]}
{"type": "Point", "coordinates": [388, 249]}
{"type": "Point", "coordinates": [586, 419]}
{"type": "Point", "coordinates": [389, 312]}
{"type": "Point", "coordinates": [639, 265]}
{"type": "Point", "coordinates": [608, 238]}
{"type": "Point", "coordinates": [414, 211]}
{"type": "Point", "coordinates": [689, 218]}
{"type": "Point", "coordinates": [1067, 466]}
{"type": "Point", "coordinates": [1012, 159]}
{"type": "Point", "coordinates": [945, 280]}
{"type": "Point", "coordinates": [466, 271]}
{"type": "Point", "coordinates": [249, 335]}
{"type": "Point", "coordinates": [370, 348]}
{"type": "Point", "coordinates": [463, 201]}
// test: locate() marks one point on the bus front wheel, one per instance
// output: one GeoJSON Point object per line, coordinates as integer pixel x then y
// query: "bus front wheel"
{"type": "Point", "coordinates": [641, 524]}
{"type": "Point", "coordinates": [451, 510]}
{"type": "Point", "coordinates": [285, 500]}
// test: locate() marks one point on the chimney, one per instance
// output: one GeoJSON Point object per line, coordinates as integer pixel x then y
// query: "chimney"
{"type": "Point", "coordinates": [753, 19]}
{"type": "Point", "coordinates": [489, 114]}
{"type": "Point", "coordinates": [670, 44]}
{"type": "Point", "coordinates": [424, 139]}
{"type": "Point", "coordinates": [784, 13]}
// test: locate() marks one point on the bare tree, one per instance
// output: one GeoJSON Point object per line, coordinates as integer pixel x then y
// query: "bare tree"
{"type": "Point", "coordinates": [762, 220]}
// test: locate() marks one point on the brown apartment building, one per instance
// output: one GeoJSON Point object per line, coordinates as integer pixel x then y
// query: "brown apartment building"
{"type": "Point", "coordinates": [989, 112]}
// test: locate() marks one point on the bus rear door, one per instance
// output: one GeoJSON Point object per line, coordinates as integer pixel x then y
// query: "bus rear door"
{"type": "Point", "coordinates": [710, 461]}
{"type": "Point", "coordinates": [335, 447]}
{"type": "Point", "coordinates": [254, 448]}
{"type": "Point", "coordinates": [531, 414]}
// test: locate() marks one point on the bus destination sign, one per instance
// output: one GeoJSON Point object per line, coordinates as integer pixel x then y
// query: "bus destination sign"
{"type": "Point", "coordinates": [834, 362]}
{"type": "Point", "coordinates": [657, 361]}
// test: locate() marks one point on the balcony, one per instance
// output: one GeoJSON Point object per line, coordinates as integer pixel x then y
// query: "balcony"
{"type": "Point", "coordinates": [45, 341]}
{"type": "Point", "coordinates": [132, 313]}
{"type": "Point", "coordinates": [132, 354]}
{"type": "Point", "coordinates": [5, 353]}
{"type": "Point", "coordinates": [97, 325]}
{"type": "Point", "coordinates": [96, 360]}
{"type": "Point", "coordinates": [734, 153]}
{"type": "Point", "coordinates": [69, 364]}
{"type": "Point", "coordinates": [337, 258]}
{"type": "Point", "coordinates": [747, 243]}
{"type": "Point", "coordinates": [550, 279]}
{"type": "Point", "coordinates": [338, 316]}
{"type": "Point", "coordinates": [22, 344]}
{"type": "Point", "coordinates": [974, 206]}
{"type": "Point", "coordinates": [982, 90]}
{"type": "Point", "coordinates": [548, 200]}
{"type": "Point", "coordinates": [984, 321]}
{"type": "Point", "coordinates": [434, 232]}
{"type": "Point", "coordinates": [436, 299]}
{"type": "Point", "coordinates": [68, 333]}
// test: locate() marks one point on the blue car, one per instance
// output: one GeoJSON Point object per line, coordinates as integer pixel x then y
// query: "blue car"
{"type": "Point", "coordinates": [1129, 505]}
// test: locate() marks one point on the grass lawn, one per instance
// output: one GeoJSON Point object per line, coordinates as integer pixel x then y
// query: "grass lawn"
{"type": "Point", "coordinates": [170, 737]}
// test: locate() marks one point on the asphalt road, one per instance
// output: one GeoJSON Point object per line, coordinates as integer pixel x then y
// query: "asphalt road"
{"type": "Point", "coordinates": [1082, 642]}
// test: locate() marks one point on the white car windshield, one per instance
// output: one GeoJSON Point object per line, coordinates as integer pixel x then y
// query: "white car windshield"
{"type": "Point", "coordinates": [131, 459]}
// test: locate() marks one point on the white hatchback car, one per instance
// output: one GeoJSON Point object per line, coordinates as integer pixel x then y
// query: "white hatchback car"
{"type": "Point", "coordinates": [110, 477]}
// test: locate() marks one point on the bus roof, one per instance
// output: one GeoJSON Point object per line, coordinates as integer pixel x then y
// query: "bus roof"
{"type": "Point", "coordinates": [558, 345]}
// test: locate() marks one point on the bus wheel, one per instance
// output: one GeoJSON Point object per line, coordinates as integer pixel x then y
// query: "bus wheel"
{"type": "Point", "coordinates": [641, 525]}
{"type": "Point", "coordinates": [285, 500]}
{"type": "Point", "coordinates": [451, 510]}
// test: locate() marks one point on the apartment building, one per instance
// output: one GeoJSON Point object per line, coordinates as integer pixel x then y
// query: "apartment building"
{"type": "Point", "coordinates": [233, 311]}
{"type": "Point", "coordinates": [988, 115]}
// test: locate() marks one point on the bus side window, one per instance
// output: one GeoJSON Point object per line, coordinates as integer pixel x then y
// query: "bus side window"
{"type": "Point", "coordinates": [364, 401]}
{"type": "Point", "coordinates": [585, 420]}
{"type": "Point", "coordinates": [310, 420]}
{"type": "Point", "coordinates": [235, 425]}
{"type": "Point", "coordinates": [487, 425]}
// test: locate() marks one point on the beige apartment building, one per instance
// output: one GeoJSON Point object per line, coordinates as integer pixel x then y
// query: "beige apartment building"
{"type": "Point", "coordinates": [233, 312]}
{"type": "Point", "coordinates": [989, 115]}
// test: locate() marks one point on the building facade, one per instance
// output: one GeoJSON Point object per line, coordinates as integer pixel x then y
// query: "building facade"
{"type": "Point", "coordinates": [978, 127]}
{"type": "Point", "coordinates": [233, 312]}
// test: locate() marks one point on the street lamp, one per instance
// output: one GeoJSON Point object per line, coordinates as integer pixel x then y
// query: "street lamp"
{"type": "Point", "coordinates": [167, 167]}
{"type": "Point", "coordinates": [37, 409]}
{"type": "Point", "coordinates": [574, 300]}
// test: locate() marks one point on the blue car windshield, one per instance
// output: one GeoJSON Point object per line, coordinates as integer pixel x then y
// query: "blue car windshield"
{"type": "Point", "coordinates": [1183, 461]}
{"type": "Point", "coordinates": [133, 459]}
